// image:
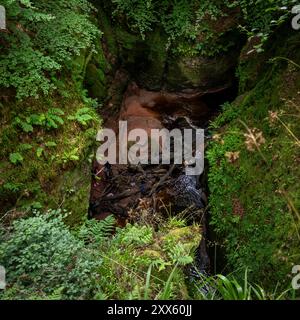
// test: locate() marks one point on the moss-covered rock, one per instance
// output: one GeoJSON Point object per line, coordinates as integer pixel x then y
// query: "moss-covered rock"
{"type": "Point", "coordinates": [254, 171]}
{"type": "Point", "coordinates": [201, 72]}
{"type": "Point", "coordinates": [74, 191]}
{"type": "Point", "coordinates": [96, 82]}
{"type": "Point", "coordinates": [157, 62]}
{"type": "Point", "coordinates": [52, 170]}
{"type": "Point", "coordinates": [154, 61]}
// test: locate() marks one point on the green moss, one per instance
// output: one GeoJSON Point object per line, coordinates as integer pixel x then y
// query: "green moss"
{"type": "Point", "coordinates": [200, 72]}
{"type": "Point", "coordinates": [51, 157]}
{"type": "Point", "coordinates": [74, 191]}
{"type": "Point", "coordinates": [96, 82]}
{"type": "Point", "coordinates": [252, 197]}
{"type": "Point", "coordinates": [96, 75]}
{"type": "Point", "coordinates": [156, 58]}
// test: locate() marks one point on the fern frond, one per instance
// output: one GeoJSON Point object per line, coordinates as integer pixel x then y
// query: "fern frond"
{"type": "Point", "coordinates": [94, 231]}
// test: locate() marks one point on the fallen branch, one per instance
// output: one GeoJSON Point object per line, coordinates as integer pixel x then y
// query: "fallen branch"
{"type": "Point", "coordinates": [162, 180]}
{"type": "Point", "coordinates": [121, 195]}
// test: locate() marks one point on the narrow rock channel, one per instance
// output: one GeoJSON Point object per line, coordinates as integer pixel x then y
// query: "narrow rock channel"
{"type": "Point", "coordinates": [128, 191]}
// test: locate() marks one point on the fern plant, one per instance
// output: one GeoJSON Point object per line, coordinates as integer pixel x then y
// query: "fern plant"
{"type": "Point", "coordinates": [94, 232]}
{"type": "Point", "coordinates": [83, 116]}
{"type": "Point", "coordinates": [51, 119]}
{"type": "Point", "coordinates": [16, 158]}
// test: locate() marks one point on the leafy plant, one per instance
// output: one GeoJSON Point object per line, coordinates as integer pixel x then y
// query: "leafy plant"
{"type": "Point", "coordinates": [195, 21]}
{"type": "Point", "coordinates": [94, 233]}
{"type": "Point", "coordinates": [24, 125]}
{"type": "Point", "coordinates": [13, 187]}
{"type": "Point", "coordinates": [43, 257]}
{"type": "Point", "coordinates": [52, 119]}
{"type": "Point", "coordinates": [253, 198]}
{"type": "Point", "coordinates": [16, 158]}
{"type": "Point", "coordinates": [50, 144]}
{"type": "Point", "coordinates": [24, 147]}
{"type": "Point", "coordinates": [222, 287]}
{"type": "Point", "coordinates": [39, 152]}
{"type": "Point", "coordinates": [42, 37]}
{"type": "Point", "coordinates": [70, 155]}
{"type": "Point", "coordinates": [137, 235]}
{"type": "Point", "coordinates": [83, 116]}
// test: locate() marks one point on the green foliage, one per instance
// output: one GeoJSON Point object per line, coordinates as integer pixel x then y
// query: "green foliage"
{"type": "Point", "coordinates": [50, 151]}
{"type": "Point", "coordinates": [84, 116]}
{"type": "Point", "coordinates": [51, 119]}
{"type": "Point", "coordinates": [252, 195]}
{"type": "Point", "coordinates": [13, 187]}
{"type": "Point", "coordinates": [50, 144]}
{"type": "Point", "coordinates": [42, 37]}
{"type": "Point", "coordinates": [175, 16]}
{"type": "Point", "coordinates": [140, 14]}
{"type": "Point", "coordinates": [16, 158]}
{"type": "Point", "coordinates": [140, 262]}
{"type": "Point", "coordinates": [69, 155]}
{"type": "Point", "coordinates": [45, 260]}
{"type": "Point", "coordinates": [262, 18]}
{"type": "Point", "coordinates": [222, 287]}
{"type": "Point", "coordinates": [197, 21]}
{"type": "Point", "coordinates": [25, 147]}
{"type": "Point", "coordinates": [136, 235]}
{"type": "Point", "coordinates": [95, 233]}
{"type": "Point", "coordinates": [39, 152]}
{"type": "Point", "coordinates": [24, 125]}
{"type": "Point", "coordinates": [230, 289]}
{"type": "Point", "coordinates": [229, 113]}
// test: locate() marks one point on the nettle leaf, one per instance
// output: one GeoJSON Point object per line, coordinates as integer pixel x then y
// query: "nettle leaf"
{"type": "Point", "coordinates": [16, 158]}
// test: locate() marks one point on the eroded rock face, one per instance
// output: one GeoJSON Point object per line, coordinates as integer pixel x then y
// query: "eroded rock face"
{"type": "Point", "coordinates": [159, 71]}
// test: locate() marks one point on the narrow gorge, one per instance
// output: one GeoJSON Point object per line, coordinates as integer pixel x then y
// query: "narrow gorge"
{"type": "Point", "coordinates": [73, 228]}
